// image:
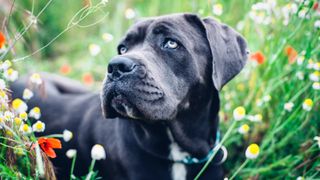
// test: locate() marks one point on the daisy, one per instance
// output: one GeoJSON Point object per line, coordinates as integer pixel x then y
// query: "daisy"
{"type": "Point", "coordinates": [316, 85]}
{"type": "Point", "coordinates": [217, 9]}
{"type": "Point", "coordinates": [17, 121]}
{"type": "Point", "coordinates": [2, 84]}
{"type": "Point", "coordinates": [316, 66]}
{"type": "Point", "coordinates": [38, 126]}
{"type": "Point", "coordinates": [307, 104]}
{"type": "Point", "coordinates": [107, 37]}
{"type": "Point", "coordinates": [288, 106]}
{"type": "Point", "coordinates": [266, 98]}
{"type": "Point", "coordinates": [94, 49]}
{"type": "Point", "coordinates": [252, 151]}
{"type": "Point", "coordinates": [244, 129]}
{"type": "Point", "coordinates": [8, 116]}
{"type": "Point", "coordinates": [35, 78]}
{"type": "Point", "coordinates": [25, 129]}
{"type": "Point", "coordinates": [67, 135]}
{"type": "Point", "coordinates": [23, 115]}
{"type": "Point", "coordinates": [98, 152]}
{"type": "Point", "coordinates": [19, 106]}
{"type": "Point", "coordinates": [27, 94]}
{"type": "Point", "coordinates": [71, 153]}
{"type": "Point", "coordinates": [314, 76]}
{"type": "Point", "coordinates": [300, 75]}
{"type": "Point", "coordinates": [35, 113]}
{"type": "Point", "coordinates": [130, 13]}
{"type": "Point", "coordinates": [11, 75]}
{"type": "Point", "coordinates": [239, 113]}
{"type": "Point", "coordinates": [300, 60]}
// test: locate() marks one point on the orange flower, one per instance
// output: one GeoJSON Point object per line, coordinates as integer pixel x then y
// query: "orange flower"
{"type": "Point", "coordinates": [65, 69]}
{"type": "Point", "coordinates": [87, 78]}
{"type": "Point", "coordinates": [2, 40]}
{"type": "Point", "coordinates": [258, 56]}
{"type": "Point", "coordinates": [48, 144]}
{"type": "Point", "coordinates": [291, 53]}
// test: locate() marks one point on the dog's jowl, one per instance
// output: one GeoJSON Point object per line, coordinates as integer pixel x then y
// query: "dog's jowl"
{"type": "Point", "coordinates": [157, 112]}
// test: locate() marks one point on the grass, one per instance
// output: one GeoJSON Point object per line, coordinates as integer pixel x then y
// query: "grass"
{"type": "Point", "coordinates": [287, 148]}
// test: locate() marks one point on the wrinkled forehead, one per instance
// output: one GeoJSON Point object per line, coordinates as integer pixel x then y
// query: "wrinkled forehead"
{"type": "Point", "coordinates": [170, 25]}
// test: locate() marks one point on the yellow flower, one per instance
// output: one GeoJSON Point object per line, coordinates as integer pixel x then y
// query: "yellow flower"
{"type": "Point", "coordinates": [244, 129]}
{"type": "Point", "coordinates": [252, 151]}
{"type": "Point", "coordinates": [35, 113]}
{"type": "Point", "coordinates": [19, 106]}
{"type": "Point", "coordinates": [307, 104]}
{"type": "Point", "coordinates": [25, 129]}
{"type": "Point", "coordinates": [11, 75]}
{"type": "Point", "coordinates": [27, 94]}
{"type": "Point", "coordinates": [38, 126]}
{"type": "Point", "coordinates": [9, 133]}
{"type": "Point", "coordinates": [17, 121]}
{"type": "Point", "coordinates": [23, 115]}
{"type": "Point", "coordinates": [239, 113]}
{"type": "Point", "coordinates": [36, 79]}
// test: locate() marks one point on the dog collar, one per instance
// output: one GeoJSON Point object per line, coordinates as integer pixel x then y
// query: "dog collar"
{"type": "Point", "coordinates": [194, 160]}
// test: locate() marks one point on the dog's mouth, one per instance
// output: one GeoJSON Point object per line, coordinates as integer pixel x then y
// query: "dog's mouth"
{"type": "Point", "coordinates": [122, 106]}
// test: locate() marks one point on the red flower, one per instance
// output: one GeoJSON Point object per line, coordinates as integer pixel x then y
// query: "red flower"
{"type": "Point", "coordinates": [65, 69]}
{"type": "Point", "coordinates": [2, 40]}
{"type": "Point", "coordinates": [315, 6]}
{"type": "Point", "coordinates": [291, 53]}
{"type": "Point", "coordinates": [258, 56]}
{"type": "Point", "coordinates": [88, 79]}
{"type": "Point", "coordinates": [48, 144]}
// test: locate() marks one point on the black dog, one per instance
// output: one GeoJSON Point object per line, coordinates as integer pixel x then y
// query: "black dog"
{"type": "Point", "coordinates": [159, 101]}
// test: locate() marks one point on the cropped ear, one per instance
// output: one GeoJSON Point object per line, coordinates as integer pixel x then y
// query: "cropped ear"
{"type": "Point", "coordinates": [228, 50]}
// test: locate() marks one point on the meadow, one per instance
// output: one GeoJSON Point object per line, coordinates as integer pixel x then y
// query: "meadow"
{"type": "Point", "coordinates": [276, 95]}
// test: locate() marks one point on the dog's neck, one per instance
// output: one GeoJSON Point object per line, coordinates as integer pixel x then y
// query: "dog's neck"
{"type": "Point", "coordinates": [194, 130]}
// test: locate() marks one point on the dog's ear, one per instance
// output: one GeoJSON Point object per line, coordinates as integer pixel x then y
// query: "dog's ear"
{"type": "Point", "coordinates": [228, 49]}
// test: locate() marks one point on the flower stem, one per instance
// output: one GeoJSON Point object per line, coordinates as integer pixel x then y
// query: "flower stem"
{"type": "Point", "coordinates": [239, 169]}
{"type": "Point", "coordinates": [72, 166]}
{"type": "Point", "coordinates": [91, 169]}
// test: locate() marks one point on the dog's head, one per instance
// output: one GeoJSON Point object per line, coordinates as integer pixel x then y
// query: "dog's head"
{"type": "Point", "coordinates": [164, 61]}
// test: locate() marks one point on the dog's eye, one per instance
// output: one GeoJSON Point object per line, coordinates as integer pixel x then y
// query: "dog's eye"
{"type": "Point", "coordinates": [122, 49]}
{"type": "Point", "coordinates": [171, 44]}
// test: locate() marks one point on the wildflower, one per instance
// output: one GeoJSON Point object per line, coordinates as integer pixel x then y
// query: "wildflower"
{"type": "Point", "coordinates": [291, 53]}
{"type": "Point", "coordinates": [2, 40]}
{"type": "Point", "coordinates": [9, 133]}
{"type": "Point", "coordinates": [65, 69]}
{"type": "Point", "coordinates": [98, 152]}
{"type": "Point", "coordinates": [239, 113]}
{"type": "Point", "coordinates": [316, 66]}
{"type": "Point", "coordinates": [8, 116]}
{"type": "Point", "coordinates": [35, 113]}
{"type": "Point", "coordinates": [38, 126]}
{"type": "Point", "coordinates": [252, 151]}
{"type": "Point", "coordinates": [317, 139]}
{"type": "Point", "coordinates": [27, 94]}
{"type": "Point", "coordinates": [1, 121]}
{"type": "Point", "coordinates": [266, 98]}
{"type": "Point", "coordinates": [300, 75]}
{"type": "Point", "coordinates": [258, 57]}
{"type": "Point", "coordinates": [107, 37]}
{"type": "Point", "coordinates": [300, 178]}
{"type": "Point", "coordinates": [288, 10]}
{"type": "Point", "coordinates": [317, 24]}
{"type": "Point", "coordinates": [288, 106]}
{"type": "Point", "coordinates": [23, 115]}
{"type": "Point", "coordinates": [87, 78]}
{"type": "Point", "coordinates": [2, 84]}
{"type": "Point", "coordinates": [259, 102]}
{"type": "Point", "coordinates": [71, 153]}
{"type": "Point", "coordinates": [217, 9]}
{"type": "Point", "coordinates": [6, 64]}
{"type": "Point", "coordinates": [25, 129]}
{"type": "Point", "coordinates": [316, 85]}
{"type": "Point", "coordinates": [307, 104]}
{"type": "Point", "coordinates": [300, 60]}
{"type": "Point", "coordinates": [310, 64]}
{"type": "Point", "coordinates": [314, 76]}
{"type": "Point", "coordinates": [11, 75]}
{"type": "Point", "coordinates": [19, 151]}
{"type": "Point", "coordinates": [17, 121]}
{"type": "Point", "coordinates": [303, 13]}
{"type": "Point", "coordinates": [130, 13]}
{"type": "Point", "coordinates": [244, 129]}
{"type": "Point", "coordinates": [67, 135]}
{"type": "Point", "coordinates": [94, 49]}
{"type": "Point", "coordinates": [48, 145]}
{"type": "Point", "coordinates": [19, 106]}
{"type": "Point", "coordinates": [36, 79]}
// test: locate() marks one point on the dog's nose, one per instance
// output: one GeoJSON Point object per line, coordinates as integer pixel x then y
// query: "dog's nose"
{"type": "Point", "coordinates": [119, 66]}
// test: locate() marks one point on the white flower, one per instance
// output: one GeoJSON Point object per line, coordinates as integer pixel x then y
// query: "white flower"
{"type": "Point", "coordinates": [300, 75]}
{"type": "Point", "coordinates": [130, 13]}
{"type": "Point", "coordinates": [300, 60]}
{"type": "Point", "coordinates": [27, 94]}
{"type": "Point", "coordinates": [239, 113]}
{"type": "Point", "coordinates": [314, 76]}
{"type": "Point", "coordinates": [316, 66]}
{"type": "Point", "coordinates": [98, 152]}
{"type": "Point", "coordinates": [107, 37]}
{"type": "Point", "coordinates": [23, 115]}
{"type": "Point", "coordinates": [300, 178]}
{"type": "Point", "coordinates": [288, 106]}
{"type": "Point", "coordinates": [36, 79]}
{"type": "Point", "coordinates": [8, 116]}
{"type": "Point", "coordinates": [259, 102]}
{"type": "Point", "coordinates": [35, 113]}
{"type": "Point", "coordinates": [307, 104]}
{"type": "Point", "coordinates": [11, 75]}
{"type": "Point", "coordinates": [25, 129]}
{"type": "Point", "coordinates": [317, 139]}
{"type": "Point", "coordinates": [266, 98]}
{"type": "Point", "coordinates": [71, 153]}
{"type": "Point", "coordinates": [5, 65]}
{"type": "Point", "coordinates": [217, 9]}
{"type": "Point", "coordinates": [316, 85]}
{"type": "Point", "coordinates": [2, 84]}
{"type": "Point", "coordinates": [67, 135]}
{"type": "Point", "coordinates": [317, 24]}
{"type": "Point", "coordinates": [303, 13]}
{"type": "Point", "coordinates": [252, 151]}
{"type": "Point", "coordinates": [310, 64]}
{"type": "Point", "coordinates": [38, 126]}
{"type": "Point", "coordinates": [244, 129]}
{"type": "Point", "coordinates": [94, 49]}
{"type": "Point", "coordinates": [19, 106]}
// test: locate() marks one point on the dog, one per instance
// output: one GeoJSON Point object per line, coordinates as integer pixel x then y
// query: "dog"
{"type": "Point", "coordinates": [158, 105]}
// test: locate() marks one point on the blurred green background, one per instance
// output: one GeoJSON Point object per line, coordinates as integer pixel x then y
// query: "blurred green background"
{"type": "Point", "coordinates": [285, 33]}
